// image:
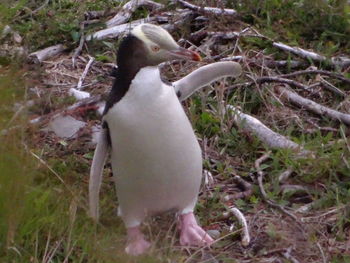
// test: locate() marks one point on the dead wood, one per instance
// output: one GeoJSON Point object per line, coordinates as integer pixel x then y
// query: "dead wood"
{"type": "Point", "coordinates": [246, 187]}
{"type": "Point", "coordinates": [46, 53]}
{"type": "Point", "coordinates": [243, 222]}
{"type": "Point", "coordinates": [260, 173]}
{"type": "Point", "coordinates": [82, 103]}
{"type": "Point", "coordinates": [116, 31]}
{"type": "Point", "coordinates": [86, 70]}
{"type": "Point", "coordinates": [287, 254]}
{"type": "Point", "coordinates": [282, 80]}
{"type": "Point", "coordinates": [78, 50]}
{"type": "Point", "coordinates": [208, 10]}
{"type": "Point", "coordinates": [341, 62]}
{"type": "Point", "coordinates": [284, 64]}
{"type": "Point", "coordinates": [321, 72]}
{"type": "Point", "coordinates": [265, 134]}
{"type": "Point", "coordinates": [312, 106]}
{"type": "Point", "coordinates": [90, 15]}
{"type": "Point", "coordinates": [129, 8]}
{"type": "Point", "coordinates": [76, 92]}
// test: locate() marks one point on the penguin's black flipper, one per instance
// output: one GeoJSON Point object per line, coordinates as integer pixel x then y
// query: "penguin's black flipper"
{"type": "Point", "coordinates": [98, 162]}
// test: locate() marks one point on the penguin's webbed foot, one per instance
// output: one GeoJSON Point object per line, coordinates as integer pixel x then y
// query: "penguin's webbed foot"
{"type": "Point", "coordinates": [137, 244]}
{"type": "Point", "coordinates": [191, 233]}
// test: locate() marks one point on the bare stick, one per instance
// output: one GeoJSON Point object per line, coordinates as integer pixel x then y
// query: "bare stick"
{"type": "Point", "coordinates": [260, 173]}
{"type": "Point", "coordinates": [284, 63]}
{"type": "Point", "coordinates": [329, 86]}
{"type": "Point", "coordinates": [247, 189]}
{"type": "Point", "coordinates": [243, 222]}
{"type": "Point", "coordinates": [208, 10]}
{"type": "Point", "coordinates": [89, 15]}
{"type": "Point", "coordinates": [41, 55]}
{"type": "Point", "coordinates": [282, 80]}
{"type": "Point", "coordinates": [86, 102]}
{"type": "Point", "coordinates": [313, 106]}
{"type": "Point", "coordinates": [288, 256]}
{"type": "Point", "coordinates": [81, 43]}
{"type": "Point", "coordinates": [300, 52]}
{"type": "Point", "coordinates": [265, 134]}
{"type": "Point", "coordinates": [268, 63]}
{"type": "Point", "coordinates": [335, 61]}
{"type": "Point", "coordinates": [86, 70]}
{"type": "Point", "coordinates": [322, 253]}
{"type": "Point", "coordinates": [116, 31]}
{"type": "Point", "coordinates": [77, 92]}
{"type": "Point", "coordinates": [129, 8]}
{"type": "Point", "coordinates": [322, 72]}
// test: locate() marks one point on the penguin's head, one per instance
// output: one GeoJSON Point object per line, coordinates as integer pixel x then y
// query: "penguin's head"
{"type": "Point", "coordinates": [150, 45]}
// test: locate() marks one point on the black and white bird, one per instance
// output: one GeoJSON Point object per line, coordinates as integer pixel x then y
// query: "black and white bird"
{"type": "Point", "coordinates": [156, 158]}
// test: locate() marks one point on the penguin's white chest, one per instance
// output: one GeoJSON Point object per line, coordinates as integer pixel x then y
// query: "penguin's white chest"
{"type": "Point", "coordinates": [156, 158]}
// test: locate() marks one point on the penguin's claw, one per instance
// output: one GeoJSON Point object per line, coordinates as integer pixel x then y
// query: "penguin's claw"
{"type": "Point", "coordinates": [138, 247]}
{"type": "Point", "coordinates": [137, 244]}
{"type": "Point", "coordinates": [191, 233]}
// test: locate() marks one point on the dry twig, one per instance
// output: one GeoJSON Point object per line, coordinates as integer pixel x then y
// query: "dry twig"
{"type": "Point", "coordinates": [282, 80]}
{"type": "Point", "coordinates": [313, 106]}
{"type": "Point", "coordinates": [247, 189]}
{"type": "Point", "coordinates": [265, 134]}
{"type": "Point", "coordinates": [208, 10]}
{"type": "Point", "coordinates": [76, 92]}
{"type": "Point", "coordinates": [129, 8]}
{"type": "Point", "coordinates": [81, 44]}
{"type": "Point", "coordinates": [288, 256]}
{"type": "Point", "coordinates": [335, 61]}
{"type": "Point", "coordinates": [243, 222]}
{"type": "Point", "coordinates": [260, 173]}
{"type": "Point", "coordinates": [315, 71]}
{"type": "Point", "coordinates": [41, 55]}
{"type": "Point", "coordinates": [82, 103]}
{"type": "Point", "coordinates": [116, 31]}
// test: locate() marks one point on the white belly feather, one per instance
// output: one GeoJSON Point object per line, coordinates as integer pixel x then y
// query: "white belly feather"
{"type": "Point", "coordinates": [156, 158]}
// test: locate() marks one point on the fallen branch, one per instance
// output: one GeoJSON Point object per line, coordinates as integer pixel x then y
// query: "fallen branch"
{"type": "Point", "coordinates": [335, 61]}
{"type": "Point", "coordinates": [76, 92]}
{"type": "Point", "coordinates": [116, 31]}
{"type": "Point", "coordinates": [313, 106]}
{"type": "Point", "coordinates": [185, 18]}
{"type": "Point", "coordinates": [247, 189]}
{"type": "Point", "coordinates": [243, 222]}
{"type": "Point", "coordinates": [284, 64]}
{"type": "Point", "coordinates": [282, 80]}
{"type": "Point", "coordinates": [78, 50]}
{"type": "Point", "coordinates": [288, 256]}
{"type": "Point", "coordinates": [41, 55]}
{"type": "Point", "coordinates": [82, 103]}
{"type": "Point", "coordinates": [208, 10]}
{"type": "Point", "coordinates": [260, 173]}
{"type": "Point", "coordinates": [329, 86]}
{"type": "Point", "coordinates": [86, 70]}
{"type": "Point", "coordinates": [129, 8]}
{"type": "Point", "coordinates": [265, 134]}
{"type": "Point", "coordinates": [90, 15]}
{"type": "Point", "coordinates": [265, 62]}
{"type": "Point", "coordinates": [321, 72]}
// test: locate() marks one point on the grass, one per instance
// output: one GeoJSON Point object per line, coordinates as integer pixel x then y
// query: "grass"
{"type": "Point", "coordinates": [43, 182]}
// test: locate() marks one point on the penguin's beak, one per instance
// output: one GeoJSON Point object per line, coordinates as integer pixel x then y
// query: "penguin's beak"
{"type": "Point", "coordinates": [183, 53]}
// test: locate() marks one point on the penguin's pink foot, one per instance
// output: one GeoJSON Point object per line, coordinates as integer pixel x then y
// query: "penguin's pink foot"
{"type": "Point", "coordinates": [137, 244]}
{"type": "Point", "coordinates": [191, 233]}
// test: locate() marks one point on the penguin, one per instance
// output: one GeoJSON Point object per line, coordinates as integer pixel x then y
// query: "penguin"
{"type": "Point", "coordinates": [156, 158]}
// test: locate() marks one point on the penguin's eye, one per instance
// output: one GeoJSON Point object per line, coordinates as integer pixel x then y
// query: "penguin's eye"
{"type": "Point", "coordinates": [155, 48]}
